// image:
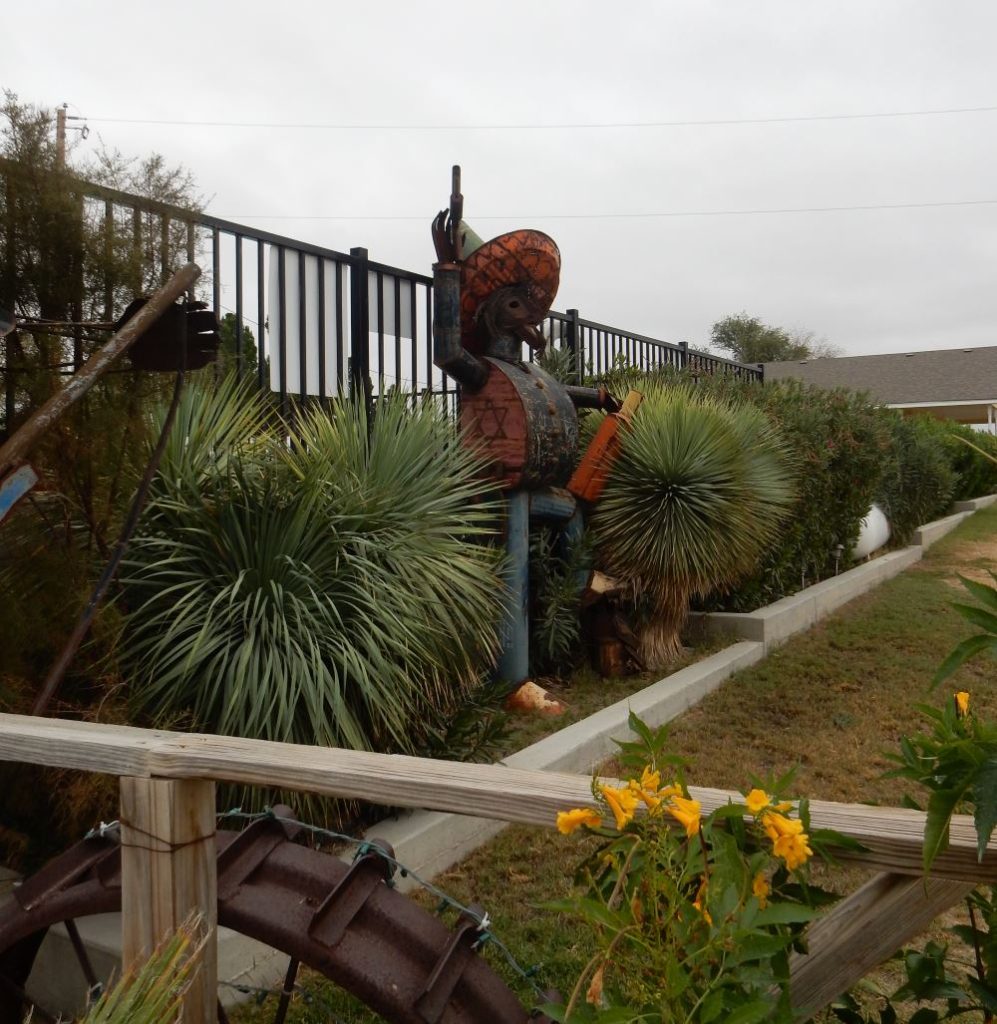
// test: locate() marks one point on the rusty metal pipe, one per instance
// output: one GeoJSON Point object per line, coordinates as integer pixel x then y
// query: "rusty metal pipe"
{"type": "Point", "coordinates": [18, 444]}
{"type": "Point", "coordinates": [448, 352]}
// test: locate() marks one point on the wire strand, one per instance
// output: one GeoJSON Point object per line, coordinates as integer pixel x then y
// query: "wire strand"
{"type": "Point", "coordinates": [629, 216]}
{"type": "Point", "coordinates": [554, 126]}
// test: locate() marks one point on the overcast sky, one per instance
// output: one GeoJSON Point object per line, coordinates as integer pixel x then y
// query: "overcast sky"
{"type": "Point", "coordinates": [879, 280]}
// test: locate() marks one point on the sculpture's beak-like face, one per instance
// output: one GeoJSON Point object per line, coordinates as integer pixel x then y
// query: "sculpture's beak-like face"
{"type": "Point", "coordinates": [514, 310]}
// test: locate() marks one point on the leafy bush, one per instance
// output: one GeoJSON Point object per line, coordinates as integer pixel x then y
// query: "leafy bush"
{"type": "Point", "coordinates": [696, 495]}
{"type": "Point", "coordinates": [838, 440]}
{"type": "Point", "coordinates": [555, 625]}
{"type": "Point", "coordinates": [333, 591]}
{"type": "Point", "coordinates": [976, 473]}
{"type": "Point", "coordinates": [918, 477]}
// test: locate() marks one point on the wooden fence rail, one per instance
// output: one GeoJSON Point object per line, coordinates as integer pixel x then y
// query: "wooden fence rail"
{"type": "Point", "coordinates": [168, 791]}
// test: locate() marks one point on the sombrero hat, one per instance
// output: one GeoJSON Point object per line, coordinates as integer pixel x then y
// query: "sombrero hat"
{"type": "Point", "coordinates": [524, 257]}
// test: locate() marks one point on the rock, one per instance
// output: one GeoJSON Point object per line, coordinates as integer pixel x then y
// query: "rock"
{"type": "Point", "coordinates": [530, 697]}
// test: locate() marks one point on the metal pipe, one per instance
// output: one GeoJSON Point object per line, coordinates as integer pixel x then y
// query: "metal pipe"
{"type": "Point", "coordinates": [17, 446]}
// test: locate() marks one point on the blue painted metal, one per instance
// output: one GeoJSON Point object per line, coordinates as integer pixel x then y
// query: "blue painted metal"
{"type": "Point", "coordinates": [552, 503]}
{"type": "Point", "coordinates": [15, 487]}
{"type": "Point", "coordinates": [514, 631]}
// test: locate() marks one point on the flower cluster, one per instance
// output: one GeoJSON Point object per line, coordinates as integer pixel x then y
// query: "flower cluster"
{"type": "Point", "coordinates": [623, 801]}
{"type": "Point", "coordinates": [789, 842]}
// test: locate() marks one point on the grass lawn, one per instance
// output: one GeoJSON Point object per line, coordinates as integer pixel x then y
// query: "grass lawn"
{"type": "Point", "coordinates": [831, 701]}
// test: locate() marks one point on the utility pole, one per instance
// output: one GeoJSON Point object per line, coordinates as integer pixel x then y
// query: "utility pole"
{"type": "Point", "coordinates": [60, 135]}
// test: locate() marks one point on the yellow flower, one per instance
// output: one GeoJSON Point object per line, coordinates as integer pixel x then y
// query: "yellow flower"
{"type": "Point", "coordinates": [757, 800]}
{"type": "Point", "coordinates": [761, 889]}
{"type": "Point", "coordinates": [568, 821]}
{"type": "Point", "coordinates": [777, 825]}
{"type": "Point", "coordinates": [793, 850]}
{"type": "Point", "coordinates": [650, 780]}
{"type": "Point", "coordinates": [686, 812]}
{"type": "Point", "coordinates": [698, 902]}
{"type": "Point", "coordinates": [962, 703]}
{"type": "Point", "coordinates": [594, 994]}
{"type": "Point", "coordinates": [789, 841]}
{"type": "Point", "coordinates": [648, 789]}
{"type": "Point", "coordinates": [622, 802]}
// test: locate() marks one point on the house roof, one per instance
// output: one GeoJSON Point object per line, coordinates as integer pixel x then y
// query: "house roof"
{"type": "Point", "coordinates": [964, 376]}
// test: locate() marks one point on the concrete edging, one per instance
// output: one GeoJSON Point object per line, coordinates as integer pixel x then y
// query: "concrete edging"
{"type": "Point", "coordinates": [974, 504]}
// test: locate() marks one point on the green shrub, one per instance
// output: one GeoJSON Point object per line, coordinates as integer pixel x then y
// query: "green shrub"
{"type": "Point", "coordinates": [838, 440]}
{"type": "Point", "coordinates": [334, 591]}
{"type": "Point", "coordinates": [696, 495]}
{"type": "Point", "coordinates": [976, 474]}
{"type": "Point", "coordinates": [918, 477]}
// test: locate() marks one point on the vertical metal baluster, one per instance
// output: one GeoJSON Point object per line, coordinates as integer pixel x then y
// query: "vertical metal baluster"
{"type": "Point", "coordinates": [261, 361]}
{"type": "Point", "coordinates": [380, 331]}
{"type": "Point", "coordinates": [191, 253]}
{"type": "Point", "coordinates": [164, 248]}
{"type": "Point", "coordinates": [398, 332]}
{"type": "Point", "coordinates": [282, 329]}
{"type": "Point", "coordinates": [216, 272]}
{"type": "Point", "coordinates": [108, 259]}
{"type": "Point", "coordinates": [340, 314]}
{"type": "Point", "coordinates": [323, 385]}
{"type": "Point", "coordinates": [302, 330]}
{"type": "Point", "coordinates": [415, 347]}
{"type": "Point", "coordinates": [238, 306]}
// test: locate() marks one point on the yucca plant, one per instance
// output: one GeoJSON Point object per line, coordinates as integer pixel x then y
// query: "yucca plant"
{"type": "Point", "coordinates": [697, 494]}
{"type": "Point", "coordinates": [151, 994]}
{"type": "Point", "coordinates": [330, 589]}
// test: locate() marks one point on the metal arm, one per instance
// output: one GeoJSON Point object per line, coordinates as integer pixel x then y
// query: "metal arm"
{"type": "Point", "coordinates": [448, 352]}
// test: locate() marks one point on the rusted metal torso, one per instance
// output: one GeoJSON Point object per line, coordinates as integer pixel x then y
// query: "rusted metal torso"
{"type": "Point", "coordinates": [524, 422]}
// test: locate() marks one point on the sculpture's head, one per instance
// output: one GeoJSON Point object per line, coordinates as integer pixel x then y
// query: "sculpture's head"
{"type": "Point", "coordinates": [507, 287]}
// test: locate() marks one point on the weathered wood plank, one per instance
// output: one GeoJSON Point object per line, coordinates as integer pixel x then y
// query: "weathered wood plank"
{"type": "Point", "coordinates": [862, 931]}
{"type": "Point", "coordinates": [893, 836]}
{"type": "Point", "coordinates": [168, 873]}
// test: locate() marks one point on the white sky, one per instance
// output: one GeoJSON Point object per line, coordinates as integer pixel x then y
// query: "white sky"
{"type": "Point", "coordinates": [868, 281]}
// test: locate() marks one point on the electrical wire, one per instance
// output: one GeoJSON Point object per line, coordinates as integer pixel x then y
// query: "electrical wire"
{"type": "Point", "coordinates": [631, 216]}
{"type": "Point", "coordinates": [555, 126]}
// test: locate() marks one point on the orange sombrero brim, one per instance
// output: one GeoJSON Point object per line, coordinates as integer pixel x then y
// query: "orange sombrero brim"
{"type": "Point", "coordinates": [523, 257]}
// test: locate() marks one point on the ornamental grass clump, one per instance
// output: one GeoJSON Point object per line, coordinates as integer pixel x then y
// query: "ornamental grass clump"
{"type": "Point", "coordinates": [695, 914]}
{"type": "Point", "coordinates": [694, 499]}
{"type": "Point", "coordinates": [334, 588]}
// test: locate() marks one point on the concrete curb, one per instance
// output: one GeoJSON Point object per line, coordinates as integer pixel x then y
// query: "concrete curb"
{"type": "Point", "coordinates": [776, 623]}
{"type": "Point", "coordinates": [974, 504]}
{"type": "Point", "coordinates": [931, 532]}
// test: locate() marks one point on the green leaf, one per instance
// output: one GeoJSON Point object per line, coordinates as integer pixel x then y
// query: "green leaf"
{"type": "Point", "coordinates": [962, 653]}
{"type": "Point", "coordinates": [984, 794]}
{"type": "Point", "coordinates": [941, 807]}
{"type": "Point", "coordinates": [978, 617]}
{"type": "Point", "coordinates": [785, 913]}
{"type": "Point", "coordinates": [749, 1013]}
{"type": "Point", "coordinates": [981, 591]}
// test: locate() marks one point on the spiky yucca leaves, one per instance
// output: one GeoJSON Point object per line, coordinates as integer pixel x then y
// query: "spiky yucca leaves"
{"type": "Point", "coordinates": [329, 592]}
{"type": "Point", "coordinates": [698, 492]}
{"type": "Point", "coordinates": [151, 994]}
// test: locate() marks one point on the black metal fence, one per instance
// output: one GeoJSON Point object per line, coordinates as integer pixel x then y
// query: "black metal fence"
{"type": "Point", "coordinates": [310, 321]}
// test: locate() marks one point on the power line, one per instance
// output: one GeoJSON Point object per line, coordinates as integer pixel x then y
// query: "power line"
{"type": "Point", "coordinates": [624, 216]}
{"type": "Point", "coordinates": [557, 126]}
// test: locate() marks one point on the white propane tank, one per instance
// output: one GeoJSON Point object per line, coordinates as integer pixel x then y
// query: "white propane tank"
{"type": "Point", "coordinates": [873, 533]}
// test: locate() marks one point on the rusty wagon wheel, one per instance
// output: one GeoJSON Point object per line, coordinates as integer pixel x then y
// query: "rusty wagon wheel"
{"type": "Point", "coordinates": [340, 919]}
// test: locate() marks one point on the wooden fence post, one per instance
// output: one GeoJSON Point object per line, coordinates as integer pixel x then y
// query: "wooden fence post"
{"type": "Point", "coordinates": [863, 930]}
{"type": "Point", "coordinates": [167, 873]}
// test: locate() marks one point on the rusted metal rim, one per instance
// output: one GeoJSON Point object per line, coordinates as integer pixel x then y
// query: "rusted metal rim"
{"type": "Point", "coordinates": [339, 919]}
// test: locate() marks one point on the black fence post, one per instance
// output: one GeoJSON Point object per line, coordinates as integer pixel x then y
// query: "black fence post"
{"type": "Point", "coordinates": [683, 354]}
{"type": "Point", "coordinates": [360, 328]}
{"type": "Point", "coordinates": [572, 337]}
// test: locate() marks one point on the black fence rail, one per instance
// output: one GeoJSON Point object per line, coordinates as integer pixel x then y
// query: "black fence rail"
{"type": "Point", "coordinates": [311, 322]}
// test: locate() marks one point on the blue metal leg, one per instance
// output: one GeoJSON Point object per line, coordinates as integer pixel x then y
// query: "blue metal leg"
{"type": "Point", "coordinates": [514, 631]}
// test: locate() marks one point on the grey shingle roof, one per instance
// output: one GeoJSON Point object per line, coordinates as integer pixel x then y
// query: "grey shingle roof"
{"type": "Point", "coordinates": [942, 375]}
